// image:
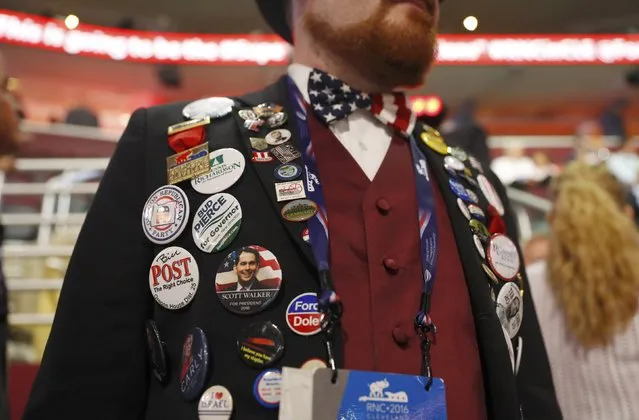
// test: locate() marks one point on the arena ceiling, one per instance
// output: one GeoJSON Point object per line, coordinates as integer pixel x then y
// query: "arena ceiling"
{"type": "Point", "coordinates": [241, 16]}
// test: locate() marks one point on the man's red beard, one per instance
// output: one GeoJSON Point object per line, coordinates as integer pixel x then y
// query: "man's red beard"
{"type": "Point", "coordinates": [386, 53]}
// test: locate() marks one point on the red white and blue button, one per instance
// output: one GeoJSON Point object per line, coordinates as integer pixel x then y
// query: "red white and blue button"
{"type": "Point", "coordinates": [268, 388]}
{"type": "Point", "coordinates": [303, 316]}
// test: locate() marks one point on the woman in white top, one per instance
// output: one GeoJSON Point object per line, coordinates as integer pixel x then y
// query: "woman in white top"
{"type": "Point", "coordinates": [586, 295]}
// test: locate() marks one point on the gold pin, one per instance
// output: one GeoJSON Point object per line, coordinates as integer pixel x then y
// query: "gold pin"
{"type": "Point", "coordinates": [187, 125]}
{"type": "Point", "coordinates": [188, 164]}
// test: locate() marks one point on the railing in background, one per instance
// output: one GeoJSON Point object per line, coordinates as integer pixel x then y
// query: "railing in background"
{"type": "Point", "coordinates": [81, 176]}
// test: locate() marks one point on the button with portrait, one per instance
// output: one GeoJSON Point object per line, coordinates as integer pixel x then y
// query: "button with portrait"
{"type": "Point", "coordinates": [261, 344]}
{"type": "Point", "coordinates": [248, 280]}
{"type": "Point", "coordinates": [277, 137]}
{"type": "Point", "coordinates": [195, 364]}
{"type": "Point", "coordinates": [510, 308]}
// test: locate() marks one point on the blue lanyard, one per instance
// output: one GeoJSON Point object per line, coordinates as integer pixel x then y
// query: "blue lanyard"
{"type": "Point", "coordinates": [319, 235]}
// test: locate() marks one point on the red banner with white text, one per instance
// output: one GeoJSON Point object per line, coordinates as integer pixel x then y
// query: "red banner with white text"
{"type": "Point", "coordinates": [214, 49]}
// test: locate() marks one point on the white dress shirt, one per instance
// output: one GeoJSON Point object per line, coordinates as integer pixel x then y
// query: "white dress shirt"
{"type": "Point", "coordinates": [365, 137]}
{"type": "Point", "coordinates": [597, 384]}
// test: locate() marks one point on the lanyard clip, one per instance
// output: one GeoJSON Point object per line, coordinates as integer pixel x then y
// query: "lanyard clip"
{"type": "Point", "coordinates": [426, 330]}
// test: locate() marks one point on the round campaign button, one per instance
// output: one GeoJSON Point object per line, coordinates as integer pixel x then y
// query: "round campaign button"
{"type": "Point", "coordinates": [174, 278]}
{"type": "Point", "coordinates": [217, 222]}
{"type": "Point", "coordinates": [268, 388]}
{"type": "Point", "coordinates": [510, 308]}
{"type": "Point", "coordinates": [157, 351]}
{"type": "Point", "coordinates": [503, 257]}
{"type": "Point", "coordinates": [433, 139]}
{"type": "Point", "coordinates": [479, 246]}
{"type": "Point", "coordinates": [472, 196]}
{"type": "Point", "coordinates": [303, 316]}
{"type": "Point", "coordinates": [195, 364]}
{"type": "Point", "coordinates": [490, 274]}
{"type": "Point", "coordinates": [261, 344]}
{"type": "Point", "coordinates": [476, 212]}
{"type": "Point", "coordinates": [489, 192]}
{"type": "Point", "coordinates": [459, 190]}
{"type": "Point", "coordinates": [247, 114]}
{"type": "Point", "coordinates": [277, 137]}
{"type": "Point", "coordinates": [248, 280]}
{"type": "Point", "coordinates": [458, 153]}
{"type": "Point", "coordinates": [464, 209]}
{"type": "Point", "coordinates": [475, 164]}
{"type": "Point", "coordinates": [314, 364]}
{"type": "Point", "coordinates": [165, 214]}
{"type": "Point", "coordinates": [287, 172]}
{"type": "Point", "coordinates": [215, 404]}
{"type": "Point", "coordinates": [227, 166]}
{"type": "Point", "coordinates": [453, 163]}
{"type": "Point", "coordinates": [480, 230]}
{"type": "Point", "coordinates": [208, 107]}
{"type": "Point", "coordinates": [299, 210]}
{"type": "Point", "coordinates": [276, 120]}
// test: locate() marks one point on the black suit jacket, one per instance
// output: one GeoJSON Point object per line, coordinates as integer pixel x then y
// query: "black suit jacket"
{"type": "Point", "coordinates": [95, 363]}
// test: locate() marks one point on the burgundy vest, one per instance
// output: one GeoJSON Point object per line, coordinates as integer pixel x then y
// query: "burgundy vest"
{"type": "Point", "coordinates": [376, 267]}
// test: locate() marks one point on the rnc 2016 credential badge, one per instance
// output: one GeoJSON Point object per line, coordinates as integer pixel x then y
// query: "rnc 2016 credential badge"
{"type": "Point", "coordinates": [174, 278]}
{"type": "Point", "coordinates": [165, 214]}
{"type": "Point", "coordinates": [227, 166]}
{"type": "Point", "coordinates": [217, 222]}
{"type": "Point", "coordinates": [303, 316]}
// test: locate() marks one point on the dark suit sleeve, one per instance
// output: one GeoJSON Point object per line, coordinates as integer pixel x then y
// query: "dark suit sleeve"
{"type": "Point", "coordinates": [534, 379]}
{"type": "Point", "coordinates": [94, 365]}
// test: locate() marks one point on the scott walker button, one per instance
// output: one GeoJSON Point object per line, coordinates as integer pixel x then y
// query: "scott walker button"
{"type": "Point", "coordinates": [299, 210]}
{"type": "Point", "coordinates": [165, 214]}
{"type": "Point", "coordinates": [217, 222]}
{"type": "Point", "coordinates": [227, 166]}
{"type": "Point", "coordinates": [174, 278]}
{"type": "Point", "coordinates": [503, 257]}
{"type": "Point", "coordinates": [510, 308]}
{"type": "Point", "coordinates": [216, 403]}
{"type": "Point", "coordinates": [261, 344]}
{"type": "Point", "coordinates": [268, 388]}
{"type": "Point", "coordinates": [277, 137]}
{"type": "Point", "coordinates": [287, 172]}
{"type": "Point", "coordinates": [491, 195]}
{"type": "Point", "coordinates": [303, 316]}
{"type": "Point", "coordinates": [157, 351]}
{"type": "Point", "coordinates": [216, 107]}
{"type": "Point", "coordinates": [195, 364]}
{"type": "Point", "coordinates": [248, 280]}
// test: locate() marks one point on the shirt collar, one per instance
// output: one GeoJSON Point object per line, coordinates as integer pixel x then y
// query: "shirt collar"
{"type": "Point", "coordinates": [299, 73]}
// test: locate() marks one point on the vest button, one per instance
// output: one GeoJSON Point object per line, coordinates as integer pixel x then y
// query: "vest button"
{"type": "Point", "coordinates": [383, 205]}
{"type": "Point", "coordinates": [400, 335]}
{"type": "Point", "coordinates": [391, 265]}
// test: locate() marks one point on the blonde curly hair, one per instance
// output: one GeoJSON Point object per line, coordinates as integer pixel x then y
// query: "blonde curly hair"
{"type": "Point", "coordinates": [594, 254]}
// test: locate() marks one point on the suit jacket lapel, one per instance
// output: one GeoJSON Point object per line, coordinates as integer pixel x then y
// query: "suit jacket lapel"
{"type": "Point", "coordinates": [277, 93]}
{"type": "Point", "coordinates": [499, 381]}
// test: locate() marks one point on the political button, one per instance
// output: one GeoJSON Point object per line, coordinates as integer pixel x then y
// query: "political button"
{"type": "Point", "coordinates": [258, 143]}
{"type": "Point", "coordinates": [470, 181]}
{"type": "Point", "coordinates": [267, 109]}
{"type": "Point", "coordinates": [290, 190]}
{"type": "Point", "coordinates": [174, 278]}
{"type": "Point", "coordinates": [276, 120]}
{"type": "Point", "coordinates": [227, 166]}
{"type": "Point", "coordinates": [217, 222]}
{"type": "Point", "coordinates": [503, 257]}
{"type": "Point", "coordinates": [253, 125]}
{"type": "Point", "coordinates": [314, 364]}
{"type": "Point", "coordinates": [510, 308]}
{"type": "Point", "coordinates": [490, 274]}
{"type": "Point", "coordinates": [287, 172]}
{"type": "Point", "coordinates": [472, 196]}
{"type": "Point", "coordinates": [268, 388]}
{"type": "Point", "coordinates": [479, 229]}
{"type": "Point", "coordinates": [464, 209]}
{"type": "Point", "coordinates": [286, 153]}
{"type": "Point", "coordinates": [165, 214]}
{"type": "Point", "coordinates": [248, 280]}
{"type": "Point", "coordinates": [157, 351]}
{"type": "Point", "coordinates": [211, 107]}
{"type": "Point", "coordinates": [303, 316]}
{"type": "Point", "coordinates": [459, 190]}
{"type": "Point", "coordinates": [453, 163]}
{"type": "Point", "coordinates": [433, 139]}
{"type": "Point", "coordinates": [479, 246]}
{"type": "Point", "coordinates": [458, 153]}
{"type": "Point", "coordinates": [299, 210]}
{"type": "Point", "coordinates": [475, 164]}
{"type": "Point", "coordinates": [216, 403]}
{"type": "Point", "coordinates": [261, 157]}
{"type": "Point", "coordinates": [488, 190]}
{"type": "Point", "coordinates": [195, 364]}
{"type": "Point", "coordinates": [261, 344]}
{"type": "Point", "coordinates": [247, 114]}
{"type": "Point", "coordinates": [477, 213]}
{"type": "Point", "coordinates": [306, 237]}
{"type": "Point", "coordinates": [277, 137]}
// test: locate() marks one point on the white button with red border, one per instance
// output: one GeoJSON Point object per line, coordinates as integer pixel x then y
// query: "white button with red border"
{"type": "Point", "coordinates": [174, 278]}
